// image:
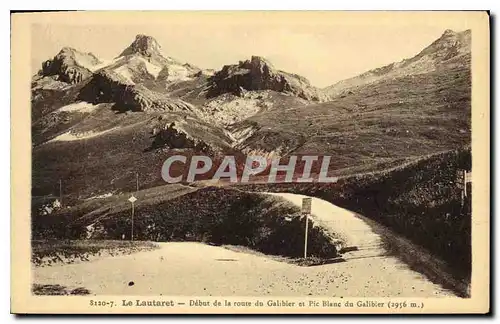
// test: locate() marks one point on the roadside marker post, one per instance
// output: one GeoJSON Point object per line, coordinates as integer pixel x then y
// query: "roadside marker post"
{"type": "Point", "coordinates": [463, 178]}
{"type": "Point", "coordinates": [467, 179]}
{"type": "Point", "coordinates": [306, 211]}
{"type": "Point", "coordinates": [132, 200]}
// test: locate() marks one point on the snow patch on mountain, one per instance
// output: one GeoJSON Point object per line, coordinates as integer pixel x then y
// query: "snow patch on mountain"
{"type": "Point", "coordinates": [152, 69]}
{"type": "Point", "coordinates": [101, 65]}
{"type": "Point", "coordinates": [88, 61]}
{"type": "Point", "coordinates": [124, 72]}
{"type": "Point", "coordinates": [228, 109]}
{"type": "Point", "coordinates": [69, 136]}
{"type": "Point", "coordinates": [81, 107]}
{"type": "Point", "coordinates": [178, 73]}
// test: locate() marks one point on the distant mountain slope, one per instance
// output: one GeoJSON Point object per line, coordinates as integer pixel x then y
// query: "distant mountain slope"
{"type": "Point", "coordinates": [448, 51]}
{"type": "Point", "coordinates": [401, 112]}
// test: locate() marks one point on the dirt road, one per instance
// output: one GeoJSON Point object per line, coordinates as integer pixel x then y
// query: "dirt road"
{"type": "Point", "coordinates": [355, 230]}
{"type": "Point", "coordinates": [199, 269]}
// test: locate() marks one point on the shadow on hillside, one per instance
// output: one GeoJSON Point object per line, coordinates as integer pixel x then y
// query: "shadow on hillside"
{"type": "Point", "coordinates": [315, 261]}
{"type": "Point", "coordinates": [349, 249]}
{"type": "Point", "coordinates": [213, 215]}
{"type": "Point", "coordinates": [119, 109]}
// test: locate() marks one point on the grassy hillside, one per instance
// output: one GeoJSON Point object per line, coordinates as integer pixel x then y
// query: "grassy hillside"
{"type": "Point", "coordinates": [392, 119]}
{"type": "Point", "coordinates": [87, 211]}
{"type": "Point", "coordinates": [109, 162]}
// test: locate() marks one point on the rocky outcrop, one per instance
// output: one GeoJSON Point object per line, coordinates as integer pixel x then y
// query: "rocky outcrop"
{"type": "Point", "coordinates": [174, 136]}
{"type": "Point", "coordinates": [66, 68]}
{"type": "Point", "coordinates": [108, 86]}
{"type": "Point", "coordinates": [143, 99]}
{"type": "Point", "coordinates": [259, 74]}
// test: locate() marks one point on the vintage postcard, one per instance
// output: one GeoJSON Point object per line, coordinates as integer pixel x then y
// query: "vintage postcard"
{"type": "Point", "coordinates": [250, 162]}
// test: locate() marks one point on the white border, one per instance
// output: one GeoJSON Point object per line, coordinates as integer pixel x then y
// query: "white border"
{"type": "Point", "coordinates": [184, 5]}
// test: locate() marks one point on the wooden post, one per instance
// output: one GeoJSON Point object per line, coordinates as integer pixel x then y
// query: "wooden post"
{"type": "Point", "coordinates": [465, 183]}
{"type": "Point", "coordinates": [306, 211]}
{"type": "Point", "coordinates": [305, 235]}
{"type": "Point", "coordinates": [461, 184]}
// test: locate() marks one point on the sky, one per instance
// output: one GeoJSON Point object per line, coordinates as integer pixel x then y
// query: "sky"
{"type": "Point", "coordinates": [324, 48]}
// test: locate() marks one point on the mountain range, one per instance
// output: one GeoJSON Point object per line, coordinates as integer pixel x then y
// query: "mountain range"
{"type": "Point", "coordinates": [96, 123]}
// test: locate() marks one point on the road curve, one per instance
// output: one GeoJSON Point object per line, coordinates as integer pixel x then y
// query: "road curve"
{"type": "Point", "coordinates": [372, 242]}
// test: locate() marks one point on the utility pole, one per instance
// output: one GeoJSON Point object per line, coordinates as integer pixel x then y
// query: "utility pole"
{"type": "Point", "coordinates": [132, 200]}
{"type": "Point", "coordinates": [132, 228]}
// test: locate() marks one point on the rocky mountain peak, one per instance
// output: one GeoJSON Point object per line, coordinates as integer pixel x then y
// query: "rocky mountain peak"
{"type": "Point", "coordinates": [67, 51]}
{"type": "Point", "coordinates": [257, 62]}
{"type": "Point", "coordinates": [259, 74]}
{"type": "Point", "coordinates": [143, 45]}
{"type": "Point", "coordinates": [450, 44]}
{"type": "Point", "coordinates": [449, 32]}
{"type": "Point", "coordinates": [69, 66]}
{"type": "Point", "coordinates": [74, 56]}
